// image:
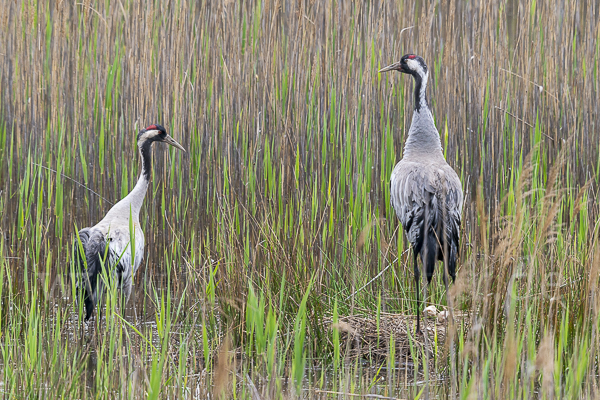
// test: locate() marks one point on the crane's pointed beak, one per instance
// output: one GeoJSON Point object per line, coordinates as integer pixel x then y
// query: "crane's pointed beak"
{"type": "Point", "coordinates": [173, 143]}
{"type": "Point", "coordinates": [396, 66]}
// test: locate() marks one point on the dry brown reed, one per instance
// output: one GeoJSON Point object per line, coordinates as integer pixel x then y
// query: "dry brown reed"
{"type": "Point", "coordinates": [292, 136]}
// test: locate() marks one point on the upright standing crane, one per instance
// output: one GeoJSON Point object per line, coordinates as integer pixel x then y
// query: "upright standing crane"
{"type": "Point", "coordinates": [426, 192]}
{"type": "Point", "coordinates": [108, 244]}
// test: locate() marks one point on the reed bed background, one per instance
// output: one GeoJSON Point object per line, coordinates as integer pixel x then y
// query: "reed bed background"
{"type": "Point", "coordinates": [277, 218]}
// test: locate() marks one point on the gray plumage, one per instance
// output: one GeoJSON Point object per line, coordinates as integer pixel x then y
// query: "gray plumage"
{"type": "Point", "coordinates": [107, 245]}
{"type": "Point", "coordinates": [426, 192]}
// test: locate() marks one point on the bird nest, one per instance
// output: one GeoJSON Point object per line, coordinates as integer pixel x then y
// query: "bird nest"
{"type": "Point", "coordinates": [361, 336]}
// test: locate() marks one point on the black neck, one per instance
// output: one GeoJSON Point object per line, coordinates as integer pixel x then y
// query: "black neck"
{"type": "Point", "coordinates": [419, 88]}
{"type": "Point", "coordinates": [146, 153]}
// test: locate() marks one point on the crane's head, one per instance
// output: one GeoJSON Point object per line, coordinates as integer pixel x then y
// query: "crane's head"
{"type": "Point", "coordinates": [156, 133]}
{"type": "Point", "coordinates": [409, 64]}
{"type": "Point", "coordinates": [415, 66]}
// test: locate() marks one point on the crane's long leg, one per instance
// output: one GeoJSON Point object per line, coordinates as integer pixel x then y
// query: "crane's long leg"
{"type": "Point", "coordinates": [417, 279]}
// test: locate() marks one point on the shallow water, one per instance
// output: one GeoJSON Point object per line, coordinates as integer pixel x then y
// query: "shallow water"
{"type": "Point", "coordinates": [291, 137]}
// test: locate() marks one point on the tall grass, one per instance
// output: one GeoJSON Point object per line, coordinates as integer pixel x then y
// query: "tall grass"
{"type": "Point", "coordinates": [279, 214]}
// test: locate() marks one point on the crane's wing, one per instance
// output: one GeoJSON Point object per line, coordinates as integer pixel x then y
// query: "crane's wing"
{"type": "Point", "coordinates": [451, 215]}
{"type": "Point", "coordinates": [120, 255]}
{"type": "Point", "coordinates": [90, 249]}
{"type": "Point", "coordinates": [428, 196]}
{"type": "Point", "coordinates": [413, 198]}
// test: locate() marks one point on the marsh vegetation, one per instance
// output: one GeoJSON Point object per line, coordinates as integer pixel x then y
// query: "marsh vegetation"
{"type": "Point", "coordinates": [263, 241]}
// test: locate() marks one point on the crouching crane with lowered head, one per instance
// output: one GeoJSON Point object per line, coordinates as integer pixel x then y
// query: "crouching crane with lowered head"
{"type": "Point", "coordinates": [426, 192]}
{"type": "Point", "coordinates": [108, 243]}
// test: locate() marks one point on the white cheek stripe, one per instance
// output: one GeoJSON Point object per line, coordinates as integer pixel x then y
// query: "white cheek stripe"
{"type": "Point", "coordinates": [416, 66]}
{"type": "Point", "coordinates": [150, 134]}
{"type": "Point", "coordinates": [424, 77]}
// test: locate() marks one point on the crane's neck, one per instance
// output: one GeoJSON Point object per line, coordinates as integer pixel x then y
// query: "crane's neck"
{"type": "Point", "coordinates": [136, 197]}
{"type": "Point", "coordinates": [423, 137]}
{"type": "Point", "coordinates": [132, 203]}
{"type": "Point", "coordinates": [420, 91]}
{"type": "Point", "coordinates": [146, 156]}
